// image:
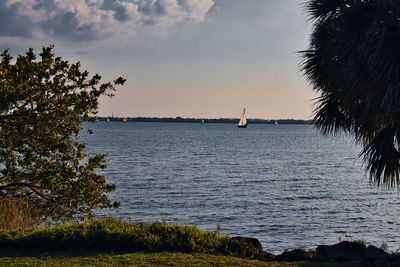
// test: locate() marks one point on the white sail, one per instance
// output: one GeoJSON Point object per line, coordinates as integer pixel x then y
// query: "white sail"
{"type": "Point", "coordinates": [243, 120]}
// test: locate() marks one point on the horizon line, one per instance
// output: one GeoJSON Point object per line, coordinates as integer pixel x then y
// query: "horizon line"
{"type": "Point", "coordinates": [198, 118]}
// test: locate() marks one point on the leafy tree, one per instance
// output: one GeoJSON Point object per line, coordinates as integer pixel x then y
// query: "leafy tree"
{"type": "Point", "coordinates": [354, 63]}
{"type": "Point", "coordinates": [43, 104]}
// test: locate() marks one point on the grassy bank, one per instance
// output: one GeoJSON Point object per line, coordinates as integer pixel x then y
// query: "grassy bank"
{"type": "Point", "coordinates": [140, 259]}
{"type": "Point", "coordinates": [113, 242]}
{"type": "Point", "coordinates": [109, 234]}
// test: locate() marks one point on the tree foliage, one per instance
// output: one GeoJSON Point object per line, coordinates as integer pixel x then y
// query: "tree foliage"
{"type": "Point", "coordinates": [43, 104]}
{"type": "Point", "coordinates": [354, 64]}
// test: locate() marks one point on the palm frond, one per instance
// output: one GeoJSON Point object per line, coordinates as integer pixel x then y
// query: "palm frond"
{"type": "Point", "coordinates": [353, 61]}
{"type": "Point", "coordinates": [321, 9]}
{"type": "Point", "coordinates": [328, 116]}
{"type": "Point", "coordinates": [382, 158]}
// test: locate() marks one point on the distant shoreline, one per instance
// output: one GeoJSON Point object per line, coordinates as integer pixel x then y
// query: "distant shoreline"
{"type": "Point", "coordinates": [199, 120]}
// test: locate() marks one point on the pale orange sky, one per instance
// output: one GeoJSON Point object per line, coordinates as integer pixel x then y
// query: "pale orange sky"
{"type": "Point", "coordinates": [265, 92]}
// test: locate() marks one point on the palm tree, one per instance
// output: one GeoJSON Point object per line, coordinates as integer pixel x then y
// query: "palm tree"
{"type": "Point", "coordinates": [353, 62]}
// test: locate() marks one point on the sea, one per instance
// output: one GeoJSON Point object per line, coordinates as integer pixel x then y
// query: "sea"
{"type": "Point", "coordinates": [287, 185]}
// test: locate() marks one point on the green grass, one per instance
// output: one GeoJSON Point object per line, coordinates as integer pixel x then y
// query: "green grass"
{"type": "Point", "coordinates": [110, 234]}
{"type": "Point", "coordinates": [139, 259]}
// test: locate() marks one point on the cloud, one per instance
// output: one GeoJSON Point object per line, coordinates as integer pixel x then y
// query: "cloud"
{"type": "Point", "coordinates": [93, 19]}
{"type": "Point", "coordinates": [12, 23]}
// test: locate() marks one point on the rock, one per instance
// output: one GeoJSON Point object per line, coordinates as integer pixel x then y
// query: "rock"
{"type": "Point", "coordinates": [294, 255]}
{"type": "Point", "coordinates": [395, 261]}
{"type": "Point", "coordinates": [245, 246]}
{"type": "Point", "coordinates": [381, 263]}
{"type": "Point", "coordinates": [265, 256]}
{"type": "Point", "coordinates": [373, 253]}
{"type": "Point", "coordinates": [343, 251]}
{"type": "Point", "coordinates": [355, 264]}
{"type": "Point", "coordinates": [320, 258]}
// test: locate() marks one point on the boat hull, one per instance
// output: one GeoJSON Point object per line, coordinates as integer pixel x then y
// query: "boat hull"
{"type": "Point", "coordinates": [243, 126]}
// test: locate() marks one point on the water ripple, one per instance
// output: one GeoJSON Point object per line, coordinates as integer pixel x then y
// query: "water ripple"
{"type": "Point", "coordinates": [286, 185]}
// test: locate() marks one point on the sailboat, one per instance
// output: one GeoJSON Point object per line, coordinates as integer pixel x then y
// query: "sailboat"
{"type": "Point", "coordinates": [243, 121]}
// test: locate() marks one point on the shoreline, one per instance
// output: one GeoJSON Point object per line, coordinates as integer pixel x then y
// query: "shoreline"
{"type": "Point", "coordinates": [118, 237]}
{"type": "Point", "coordinates": [202, 120]}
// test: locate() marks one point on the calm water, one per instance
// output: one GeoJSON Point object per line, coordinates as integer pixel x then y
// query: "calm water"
{"type": "Point", "coordinates": [286, 185]}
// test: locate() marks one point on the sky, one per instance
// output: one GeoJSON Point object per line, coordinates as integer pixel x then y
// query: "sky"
{"type": "Point", "coordinates": [188, 58]}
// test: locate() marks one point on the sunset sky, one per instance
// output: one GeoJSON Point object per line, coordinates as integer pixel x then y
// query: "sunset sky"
{"type": "Point", "coordinates": [189, 58]}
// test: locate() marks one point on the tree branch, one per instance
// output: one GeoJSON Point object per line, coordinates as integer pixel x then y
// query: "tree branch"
{"type": "Point", "coordinates": [31, 187]}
